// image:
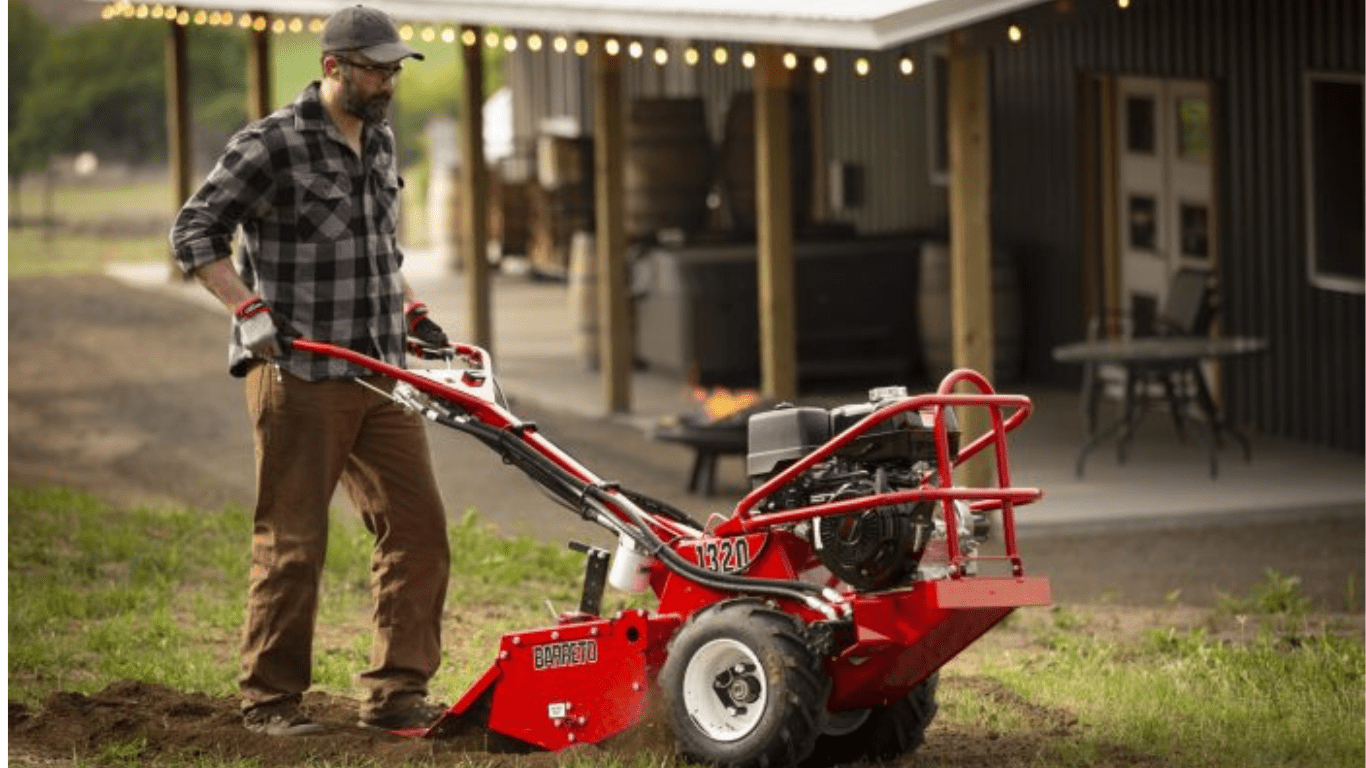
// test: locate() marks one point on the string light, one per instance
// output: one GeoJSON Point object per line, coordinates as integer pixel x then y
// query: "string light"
{"type": "Point", "coordinates": [1015, 33]}
{"type": "Point", "coordinates": [1123, 4]}
{"type": "Point", "coordinates": [534, 41]}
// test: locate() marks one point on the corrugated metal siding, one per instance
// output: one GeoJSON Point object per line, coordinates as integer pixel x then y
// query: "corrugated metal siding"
{"type": "Point", "coordinates": [879, 123]}
{"type": "Point", "coordinates": [1312, 383]}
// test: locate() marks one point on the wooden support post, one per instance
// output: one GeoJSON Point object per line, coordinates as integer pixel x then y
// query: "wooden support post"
{"type": "Point", "coordinates": [474, 195]}
{"type": "Point", "coordinates": [615, 331]}
{"type": "Point", "coordinates": [773, 193]}
{"type": "Point", "coordinates": [969, 127]}
{"type": "Point", "coordinates": [259, 73]}
{"type": "Point", "coordinates": [179, 150]}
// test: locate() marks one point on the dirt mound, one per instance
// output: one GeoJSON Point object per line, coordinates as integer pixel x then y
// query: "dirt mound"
{"type": "Point", "coordinates": [151, 723]}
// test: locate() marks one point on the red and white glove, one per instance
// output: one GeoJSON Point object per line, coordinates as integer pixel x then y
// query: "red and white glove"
{"type": "Point", "coordinates": [257, 328]}
{"type": "Point", "coordinates": [425, 338]}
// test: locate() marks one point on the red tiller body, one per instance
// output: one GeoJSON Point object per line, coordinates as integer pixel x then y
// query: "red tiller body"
{"type": "Point", "coordinates": [591, 677]}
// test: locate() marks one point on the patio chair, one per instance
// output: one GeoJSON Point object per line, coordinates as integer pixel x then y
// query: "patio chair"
{"type": "Point", "coordinates": [1189, 310]}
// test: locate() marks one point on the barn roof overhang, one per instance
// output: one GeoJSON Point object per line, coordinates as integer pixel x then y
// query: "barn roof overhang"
{"type": "Point", "coordinates": [866, 25]}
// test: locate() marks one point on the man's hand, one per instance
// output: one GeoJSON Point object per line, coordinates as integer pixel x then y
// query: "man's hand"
{"type": "Point", "coordinates": [425, 338]}
{"type": "Point", "coordinates": [259, 334]}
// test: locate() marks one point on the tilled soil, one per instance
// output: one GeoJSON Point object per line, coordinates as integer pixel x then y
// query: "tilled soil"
{"type": "Point", "coordinates": [171, 725]}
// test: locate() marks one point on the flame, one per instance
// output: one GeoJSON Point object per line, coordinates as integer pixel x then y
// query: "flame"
{"type": "Point", "coordinates": [721, 402]}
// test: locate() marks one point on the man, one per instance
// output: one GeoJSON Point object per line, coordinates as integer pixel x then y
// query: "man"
{"type": "Point", "coordinates": [314, 188]}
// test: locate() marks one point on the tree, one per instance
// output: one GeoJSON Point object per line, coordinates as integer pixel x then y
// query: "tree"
{"type": "Point", "coordinates": [28, 35]}
{"type": "Point", "coordinates": [102, 87]}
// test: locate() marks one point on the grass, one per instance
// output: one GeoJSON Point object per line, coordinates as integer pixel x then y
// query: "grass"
{"type": "Point", "coordinates": [1283, 691]}
{"type": "Point", "coordinates": [93, 221]}
{"type": "Point", "coordinates": [90, 202]}
{"type": "Point", "coordinates": [99, 594]}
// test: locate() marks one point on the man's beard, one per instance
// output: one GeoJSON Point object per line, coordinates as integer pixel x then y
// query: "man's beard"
{"type": "Point", "coordinates": [371, 110]}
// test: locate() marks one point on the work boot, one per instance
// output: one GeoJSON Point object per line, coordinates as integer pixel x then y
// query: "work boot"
{"type": "Point", "coordinates": [412, 713]}
{"type": "Point", "coordinates": [280, 719]}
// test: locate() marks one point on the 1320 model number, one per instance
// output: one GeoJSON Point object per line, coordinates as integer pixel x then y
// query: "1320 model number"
{"type": "Point", "coordinates": [724, 555]}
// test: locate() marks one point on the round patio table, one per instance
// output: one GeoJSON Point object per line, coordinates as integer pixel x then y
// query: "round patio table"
{"type": "Point", "coordinates": [1160, 358]}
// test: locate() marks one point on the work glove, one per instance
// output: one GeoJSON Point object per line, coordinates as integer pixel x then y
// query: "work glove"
{"type": "Point", "coordinates": [425, 338]}
{"type": "Point", "coordinates": [257, 329]}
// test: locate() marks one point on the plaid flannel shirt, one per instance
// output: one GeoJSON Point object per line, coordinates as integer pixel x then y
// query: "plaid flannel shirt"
{"type": "Point", "coordinates": [318, 227]}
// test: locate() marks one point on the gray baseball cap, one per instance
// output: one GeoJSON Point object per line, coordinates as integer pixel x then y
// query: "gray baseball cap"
{"type": "Point", "coordinates": [368, 32]}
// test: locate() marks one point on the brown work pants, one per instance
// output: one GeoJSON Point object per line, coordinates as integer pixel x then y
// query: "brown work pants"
{"type": "Point", "coordinates": [310, 435]}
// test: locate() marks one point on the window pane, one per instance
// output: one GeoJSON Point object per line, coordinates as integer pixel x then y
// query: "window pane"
{"type": "Point", "coordinates": [1138, 117]}
{"type": "Point", "coordinates": [1338, 246]}
{"type": "Point", "coordinates": [1192, 129]}
{"type": "Point", "coordinates": [1194, 231]}
{"type": "Point", "coordinates": [1142, 222]}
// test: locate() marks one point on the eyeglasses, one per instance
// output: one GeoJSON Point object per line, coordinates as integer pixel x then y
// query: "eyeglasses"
{"type": "Point", "coordinates": [384, 71]}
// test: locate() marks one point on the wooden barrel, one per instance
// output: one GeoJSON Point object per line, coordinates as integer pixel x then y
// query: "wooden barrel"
{"type": "Point", "coordinates": [583, 296]}
{"type": "Point", "coordinates": [934, 311]}
{"type": "Point", "coordinates": [736, 163]}
{"type": "Point", "coordinates": [667, 168]}
{"type": "Point", "coordinates": [509, 212]}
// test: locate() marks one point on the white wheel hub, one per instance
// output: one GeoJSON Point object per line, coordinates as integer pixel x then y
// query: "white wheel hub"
{"type": "Point", "coordinates": [724, 690]}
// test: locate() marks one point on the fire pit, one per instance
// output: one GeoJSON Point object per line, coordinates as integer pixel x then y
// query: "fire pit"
{"type": "Point", "coordinates": [720, 429]}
